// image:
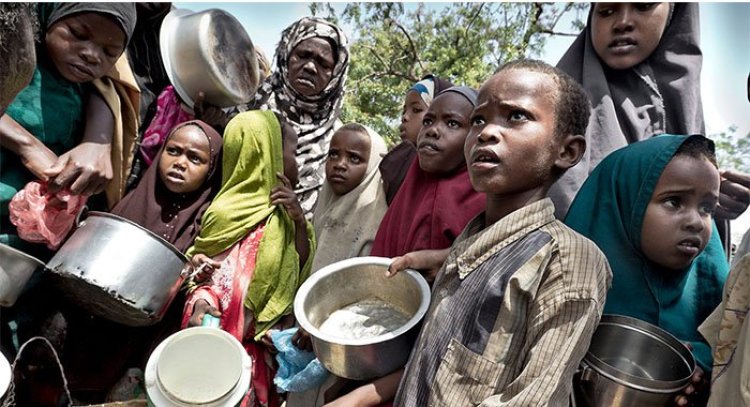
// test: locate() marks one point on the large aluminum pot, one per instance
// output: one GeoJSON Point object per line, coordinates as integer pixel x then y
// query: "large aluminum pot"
{"type": "Point", "coordinates": [118, 270]}
{"type": "Point", "coordinates": [15, 270]}
{"type": "Point", "coordinates": [350, 281]}
{"type": "Point", "coordinates": [209, 51]}
{"type": "Point", "coordinates": [632, 363]}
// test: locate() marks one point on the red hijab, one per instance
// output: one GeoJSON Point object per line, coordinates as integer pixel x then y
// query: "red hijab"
{"type": "Point", "coordinates": [175, 218]}
{"type": "Point", "coordinates": [428, 212]}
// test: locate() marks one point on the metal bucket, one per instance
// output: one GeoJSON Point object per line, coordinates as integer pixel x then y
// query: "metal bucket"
{"type": "Point", "coordinates": [15, 270]}
{"type": "Point", "coordinates": [632, 363]}
{"type": "Point", "coordinates": [209, 51]}
{"type": "Point", "coordinates": [350, 281]}
{"type": "Point", "coordinates": [118, 270]}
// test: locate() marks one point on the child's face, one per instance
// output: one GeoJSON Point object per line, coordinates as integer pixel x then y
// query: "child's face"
{"type": "Point", "coordinates": [511, 147]}
{"type": "Point", "coordinates": [185, 161]}
{"type": "Point", "coordinates": [289, 150]}
{"type": "Point", "coordinates": [84, 46]}
{"type": "Point", "coordinates": [348, 157]}
{"type": "Point", "coordinates": [677, 224]}
{"type": "Point", "coordinates": [444, 129]}
{"type": "Point", "coordinates": [625, 34]}
{"type": "Point", "coordinates": [411, 116]}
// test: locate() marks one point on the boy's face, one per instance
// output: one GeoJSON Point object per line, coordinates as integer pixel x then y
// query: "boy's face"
{"type": "Point", "coordinates": [411, 117]}
{"type": "Point", "coordinates": [348, 157]}
{"type": "Point", "coordinates": [185, 160]}
{"type": "Point", "coordinates": [677, 224]}
{"type": "Point", "coordinates": [625, 34]}
{"type": "Point", "coordinates": [289, 151]}
{"type": "Point", "coordinates": [84, 46]}
{"type": "Point", "coordinates": [511, 147]}
{"type": "Point", "coordinates": [444, 128]}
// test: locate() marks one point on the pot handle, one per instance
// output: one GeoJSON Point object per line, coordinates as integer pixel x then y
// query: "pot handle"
{"type": "Point", "coordinates": [84, 211]}
{"type": "Point", "coordinates": [187, 274]}
{"type": "Point", "coordinates": [587, 374]}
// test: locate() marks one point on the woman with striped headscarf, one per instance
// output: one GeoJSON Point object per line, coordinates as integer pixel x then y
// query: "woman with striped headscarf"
{"type": "Point", "coordinates": [307, 89]}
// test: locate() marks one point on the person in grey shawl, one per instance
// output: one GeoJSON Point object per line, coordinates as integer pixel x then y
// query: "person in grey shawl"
{"type": "Point", "coordinates": [640, 65]}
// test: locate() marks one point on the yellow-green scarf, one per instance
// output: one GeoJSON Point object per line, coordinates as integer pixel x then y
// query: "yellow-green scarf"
{"type": "Point", "coordinates": [252, 158]}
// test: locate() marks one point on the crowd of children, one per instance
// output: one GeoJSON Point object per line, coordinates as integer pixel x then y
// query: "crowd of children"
{"type": "Point", "coordinates": [474, 198]}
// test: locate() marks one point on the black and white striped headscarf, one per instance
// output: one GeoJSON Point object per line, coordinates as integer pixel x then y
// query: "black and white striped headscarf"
{"type": "Point", "coordinates": [313, 117]}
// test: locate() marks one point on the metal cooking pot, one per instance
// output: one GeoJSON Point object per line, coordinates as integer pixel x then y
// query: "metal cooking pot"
{"type": "Point", "coordinates": [118, 270]}
{"type": "Point", "coordinates": [15, 270]}
{"type": "Point", "coordinates": [210, 52]}
{"type": "Point", "coordinates": [632, 363]}
{"type": "Point", "coordinates": [350, 281]}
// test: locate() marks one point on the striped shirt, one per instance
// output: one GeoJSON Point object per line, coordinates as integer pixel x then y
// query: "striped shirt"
{"type": "Point", "coordinates": [512, 313]}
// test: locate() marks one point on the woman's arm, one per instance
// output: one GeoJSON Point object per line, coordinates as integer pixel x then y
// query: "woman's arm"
{"type": "Point", "coordinates": [33, 153]}
{"type": "Point", "coordinates": [87, 168]}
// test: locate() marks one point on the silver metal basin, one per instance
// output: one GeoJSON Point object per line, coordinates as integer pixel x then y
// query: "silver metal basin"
{"type": "Point", "coordinates": [350, 281]}
{"type": "Point", "coordinates": [118, 270]}
{"type": "Point", "coordinates": [633, 363]}
{"type": "Point", "coordinates": [16, 268]}
{"type": "Point", "coordinates": [209, 51]}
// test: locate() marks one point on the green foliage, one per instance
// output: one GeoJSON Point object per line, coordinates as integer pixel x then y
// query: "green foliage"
{"type": "Point", "coordinates": [732, 150]}
{"type": "Point", "coordinates": [392, 48]}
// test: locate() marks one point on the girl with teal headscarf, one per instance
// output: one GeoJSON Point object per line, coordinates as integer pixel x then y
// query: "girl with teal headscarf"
{"type": "Point", "coordinates": [610, 209]}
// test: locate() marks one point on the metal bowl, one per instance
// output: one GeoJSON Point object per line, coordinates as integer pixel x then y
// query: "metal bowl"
{"type": "Point", "coordinates": [210, 52]}
{"type": "Point", "coordinates": [16, 268]}
{"type": "Point", "coordinates": [118, 270]}
{"type": "Point", "coordinates": [348, 282]}
{"type": "Point", "coordinates": [633, 363]}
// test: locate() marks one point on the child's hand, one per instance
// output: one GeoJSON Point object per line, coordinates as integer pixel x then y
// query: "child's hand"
{"type": "Point", "coordinates": [284, 195]}
{"type": "Point", "coordinates": [301, 340]}
{"type": "Point", "coordinates": [427, 262]}
{"type": "Point", "coordinates": [200, 309]}
{"type": "Point", "coordinates": [734, 195]}
{"type": "Point", "coordinates": [206, 265]}
{"type": "Point", "coordinates": [697, 385]}
{"type": "Point", "coordinates": [210, 114]}
{"type": "Point", "coordinates": [286, 322]}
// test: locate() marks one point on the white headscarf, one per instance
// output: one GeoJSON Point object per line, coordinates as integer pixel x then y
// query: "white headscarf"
{"type": "Point", "coordinates": [345, 226]}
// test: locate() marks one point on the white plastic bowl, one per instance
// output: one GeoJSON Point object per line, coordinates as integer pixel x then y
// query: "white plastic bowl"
{"type": "Point", "coordinates": [199, 366]}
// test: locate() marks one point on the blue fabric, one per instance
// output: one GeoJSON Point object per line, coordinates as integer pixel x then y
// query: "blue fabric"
{"type": "Point", "coordinates": [299, 370]}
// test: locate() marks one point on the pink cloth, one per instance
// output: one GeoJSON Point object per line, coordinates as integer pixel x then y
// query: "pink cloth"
{"type": "Point", "coordinates": [226, 291]}
{"type": "Point", "coordinates": [43, 217]}
{"type": "Point", "coordinates": [169, 114]}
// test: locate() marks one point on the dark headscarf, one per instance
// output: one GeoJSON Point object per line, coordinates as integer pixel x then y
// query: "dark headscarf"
{"type": "Point", "coordinates": [470, 94]}
{"type": "Point", "coordinates": [659, 95]}
{"type": "Point", "coordinates": [311, 117]}
{"type": "Point", "coordinates": [174, 217]}
{"type": "Point", "coordinates": [396, 163]}
{"type": "Point", "coordinates": [123, 13]}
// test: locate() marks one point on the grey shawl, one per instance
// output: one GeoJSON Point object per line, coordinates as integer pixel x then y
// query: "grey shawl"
{"type": "Point", "coordinates": [659, 95]}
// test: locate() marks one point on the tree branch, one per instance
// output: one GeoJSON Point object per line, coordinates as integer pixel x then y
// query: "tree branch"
{"type": "Point", "coordinates": [551, 32]}
{"type": "Point", "coordinates": [411, 43]}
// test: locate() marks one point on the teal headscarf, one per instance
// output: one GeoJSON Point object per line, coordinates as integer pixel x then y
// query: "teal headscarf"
{"type": "Point", "coordinates": [609, 209]}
